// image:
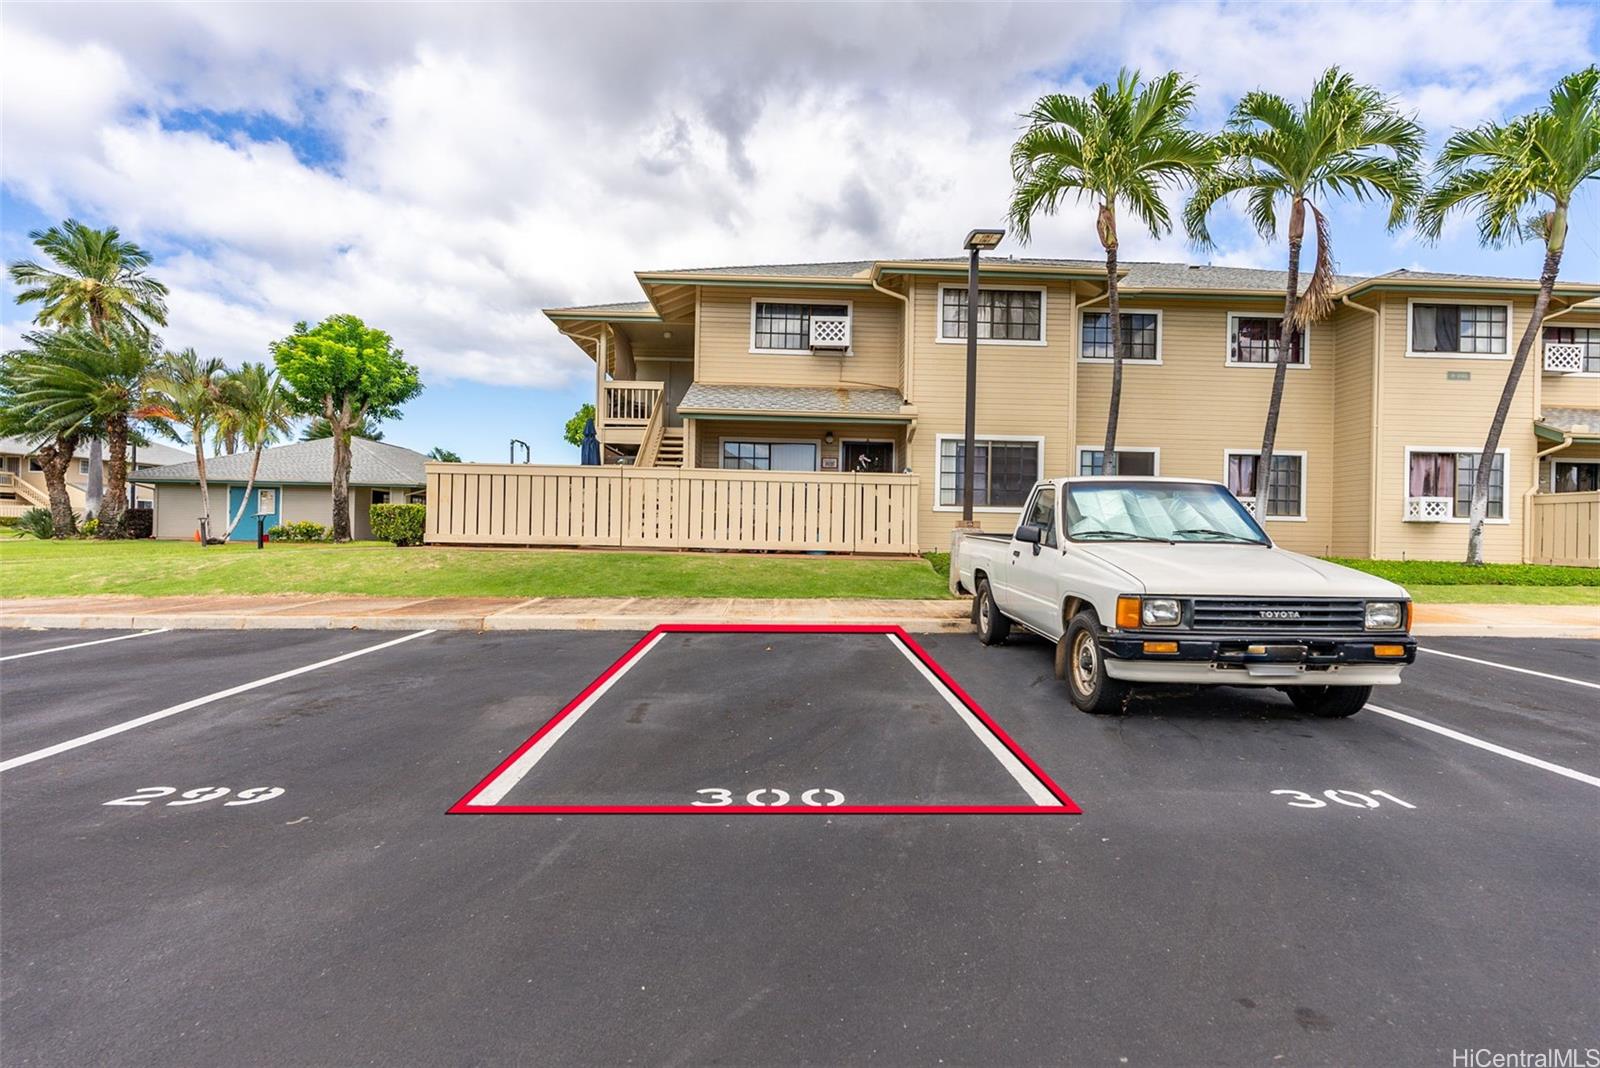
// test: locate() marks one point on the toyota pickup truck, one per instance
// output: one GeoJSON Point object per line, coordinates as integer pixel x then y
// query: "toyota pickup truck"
{"type": "Point", "coordinates": [1165, 580]}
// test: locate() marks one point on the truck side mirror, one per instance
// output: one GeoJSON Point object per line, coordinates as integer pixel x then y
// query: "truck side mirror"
{"type": "Point", "coordinates": [1030, 532]}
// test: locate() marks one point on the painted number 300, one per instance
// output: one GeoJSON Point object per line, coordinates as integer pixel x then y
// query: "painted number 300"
{"type": "Point", "coordinates": [769, 797]}
{"type": "Point", "coordinates": [199, 795]}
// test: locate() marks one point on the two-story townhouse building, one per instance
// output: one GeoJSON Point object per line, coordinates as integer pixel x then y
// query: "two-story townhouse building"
{"type": "Point", "coordinates": [861, 366]}
{"type": "Point", "coordinates": [22, 484]}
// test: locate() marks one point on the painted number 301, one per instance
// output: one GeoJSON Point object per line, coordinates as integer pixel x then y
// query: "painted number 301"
{"type": "Point", "coordinates": [199, 795]}
{"type": "Point", "coordinates": [1348, 798]}
{"type": "Point", "coordinates": [769, 797]}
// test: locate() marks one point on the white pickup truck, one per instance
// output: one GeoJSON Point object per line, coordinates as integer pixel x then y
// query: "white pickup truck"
{"type": "Point", "coordinates": [1168, 580]}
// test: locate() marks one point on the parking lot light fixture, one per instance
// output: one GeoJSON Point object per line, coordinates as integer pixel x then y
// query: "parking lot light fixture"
{"type": "Point", "coordinates": [977, 241]}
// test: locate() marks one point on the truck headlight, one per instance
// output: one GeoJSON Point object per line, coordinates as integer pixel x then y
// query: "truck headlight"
{"type": "Point", "coordinates": [1161, 612]}
{"type": "Point", "coordinates": [1385, 615]}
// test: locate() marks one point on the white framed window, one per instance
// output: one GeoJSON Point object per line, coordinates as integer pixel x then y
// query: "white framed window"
{"type": "Point", "coordinates": [1006, 316]}
{"type": "Point", "coordinates": [747, 455]}
{"type": "Point", "coordinates": [1586, 338]}
{"type": "Point", "coordinates": [1004, 471]}
{"type": "Point", "coordinates": [266, 501]}
{"type": "Point", "coordinates": [1254, 339]}
{"type": "Point", "coordinates": [1141, 335]}
{"type": "Point", "coordinates": [1575, 476]}
{"type": "Point", "coordinates": [34, 465]}
{"type": "Point", "coordinates": [380, 496]}
{"type": "Point", "coordinates": [144, 504]}
{"type": "Point", "coordinates": [784, 327]}
{"type": "Point", "coordinates": [1130, 461]}
{"type": "Point", "coordinates": [1458, 331]}
{"type": "Point", "coordinates": [83, 467]}
{"type": "Point", "coordinates": [1445, 475]}
{"type": "Point", "coordinates": [1286, 499]}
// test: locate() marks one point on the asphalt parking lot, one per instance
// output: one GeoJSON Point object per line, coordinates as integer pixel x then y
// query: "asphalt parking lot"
{"type": "Point", "coordinates": [283, 880]}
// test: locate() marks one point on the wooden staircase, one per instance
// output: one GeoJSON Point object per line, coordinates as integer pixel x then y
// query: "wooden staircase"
{"type": "Point", "coordinates": [670, 453]}
{"type": "Point", "coordinates": [18, 491]}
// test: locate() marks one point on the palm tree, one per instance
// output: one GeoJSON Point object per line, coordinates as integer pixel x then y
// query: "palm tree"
{"type": "Point", "coordinates": [1347, 139]}
{"type": "Point", "coordinates": [55, 446]}
{"type": "Point", "coordinates": [257, 403]}
{"type": "Point", "coordinates": [444, 455]}
{"type": "Point", "coordinates": [1123, 144]}
{"type": "Point", "coordinates": [320, 428]}
{"type": "Point", "coordinates": [1519, 178]}
{"type": "Point", "coordinates": [80, 378]}
{"type": "Point", "coordinates": [98, 280]}
{"type": "Point", "coordinates": [186, 391]}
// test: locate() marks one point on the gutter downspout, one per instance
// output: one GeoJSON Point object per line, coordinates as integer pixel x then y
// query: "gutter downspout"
{"type": "Point", "coordinates": [907, 328]}
{"type": "Point", "coordinates": [1375, 453]}
{"type": "Point", "coordinates": [1538, 457]}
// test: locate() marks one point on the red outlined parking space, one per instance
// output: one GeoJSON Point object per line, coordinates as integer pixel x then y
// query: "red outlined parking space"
{"type": "Point", "coordinates": [707, 719]}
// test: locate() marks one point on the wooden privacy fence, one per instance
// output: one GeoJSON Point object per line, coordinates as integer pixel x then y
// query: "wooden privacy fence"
{"type": "Point", "coordinates": [1566, 529]}
{"type": "Point", "coordinates": [669, 508]}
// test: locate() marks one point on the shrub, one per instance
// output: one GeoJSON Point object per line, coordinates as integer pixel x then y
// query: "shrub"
{"type": "Point", "coordinates": [89, 527]}
{"type": "Point", "coordinates": [305, 530]}
{"type": "Point", "coordinates": [399, 523]}
{"type": "Point", "coordinates": [8, 520]}
{"type": "Point", "coordinates": [37, 521]}
{"type": "Point", "coordinates": [139, 523]}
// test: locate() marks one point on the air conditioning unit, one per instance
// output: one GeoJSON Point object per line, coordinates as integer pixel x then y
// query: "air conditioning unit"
{"type": "Point", "coordinates": [1563, 358]}
{"type": "Point", "coordinates": [830, 333]}
{"type": "Point", "coordinates": [1429, 509]}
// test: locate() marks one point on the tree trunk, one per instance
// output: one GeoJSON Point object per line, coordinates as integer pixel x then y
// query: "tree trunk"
{"type": "Point", "coordinates": [340, 423]}
{"type": "Point", "coordinates": [115, 502]}
{"type": "Point", "coordinates": [250, 484]}
{"type": "Point", "coordinates": [200, 471]}
{"type": "Point", "coordinates": [54, 459]}
{"type": "Point", "coordinates": [1481, 478]}
{"type": "Point", "coordinates": [1291, 299]}
{"type": "Point", "coordinates": [1108, 236]}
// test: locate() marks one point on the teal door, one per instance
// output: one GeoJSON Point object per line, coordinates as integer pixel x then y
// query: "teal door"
{"type": "Point", "coordinates": [265, 502]}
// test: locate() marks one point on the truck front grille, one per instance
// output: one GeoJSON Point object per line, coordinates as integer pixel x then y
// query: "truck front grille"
{"type": "Point", "coordinates": [1280, 616]}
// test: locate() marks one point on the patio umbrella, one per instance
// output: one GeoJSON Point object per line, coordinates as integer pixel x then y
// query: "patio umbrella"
{"type": "Point", "coordinates": [590, 449]}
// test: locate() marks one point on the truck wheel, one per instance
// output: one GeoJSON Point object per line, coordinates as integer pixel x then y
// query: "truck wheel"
{"type": "Point", "coordinates": [993, 628]}
{"type": "Point", "coordinates": [1092, 690]}
{"type": "Point", "coordinates": [1329, 702]}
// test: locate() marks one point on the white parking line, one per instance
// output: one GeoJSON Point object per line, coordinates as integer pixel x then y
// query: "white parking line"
{"type": "Point", "coordinates": [502, 784]}
{"type": "Point", "coordinates": [1037, 792]}
{"type": "Point", "coordinates": [85, 645]}
{"type": "Point", "coordinates": [1509, 667]}
{"type": "Point", "coordinates": [128, 725]}
{"type": "Point", "coordinates": [1489, 746]}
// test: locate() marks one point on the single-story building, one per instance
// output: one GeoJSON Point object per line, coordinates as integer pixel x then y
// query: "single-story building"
{"type": "Point", "coordinates": [22, 483]}
{"type": "Point", "coordinates": [294, 484]}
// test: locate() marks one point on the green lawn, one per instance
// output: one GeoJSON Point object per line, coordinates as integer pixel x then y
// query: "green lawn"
{"type": "Point", "coordinates": [31, 568]}
{"type": "Point", "coordinates": [1465, 594]}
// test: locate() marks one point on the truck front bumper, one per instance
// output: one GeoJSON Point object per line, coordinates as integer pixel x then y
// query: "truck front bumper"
{"type": "Point", "coordinates": [1245, 661]}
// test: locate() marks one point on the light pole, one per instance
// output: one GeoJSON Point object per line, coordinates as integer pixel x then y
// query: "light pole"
{"type": "Point", "coordinates": [977, 241]}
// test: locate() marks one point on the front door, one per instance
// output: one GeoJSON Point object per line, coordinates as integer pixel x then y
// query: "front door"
{"type": "Point", "coordinates": [265, 502]}
{"type": "Point", "coordinates": [874, 456]}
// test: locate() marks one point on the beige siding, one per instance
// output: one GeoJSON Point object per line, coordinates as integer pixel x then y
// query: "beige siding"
{"type": "Point", "coordinates": [177, 511]}
{"type": "Point", "coordinates": [1197, 408]}
{"type": "Point", "coordinates": [1353, 400]}
{"type": "Point", "coordinates": [1424, 408]}
{"type": "Point", "coordinates": [1567, 391]}
{"type": "Point", "coordinates": [724, 341]}
{"type": "Point", "coordinates": [1023, 391]}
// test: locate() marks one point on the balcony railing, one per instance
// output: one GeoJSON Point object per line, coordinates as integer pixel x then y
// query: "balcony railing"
{"type": "Point", "coordinates": [1563, 358]}
{"type": "Point", "coordinates": [1429, 509]}
{"type": "Point", "coordinates": [628, 404]}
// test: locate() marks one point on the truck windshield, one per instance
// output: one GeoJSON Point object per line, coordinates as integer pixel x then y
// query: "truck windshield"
{"type": "Point", "coordinates": [1160, 511]}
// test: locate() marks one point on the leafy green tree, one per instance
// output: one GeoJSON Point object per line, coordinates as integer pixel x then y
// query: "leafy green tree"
{"type": "Point", "coordinates": [1121, 145]}
{"type": "Point", "coordinates": [345, 372]}
{"type": "Point", "coordinates": [443, 455]}
{"type": "Point", "coordinates": [319, 428]}
{"type": "Point", "coordinates": [94, 383]}
{"type": "Point", "coordinates": [1346, 139]}
{"type": "Point", "coordinates": [186, 391]}
{"type": "Point", "coordinates": [97, 280]}
{"type": "Point", "coordinates": [573, 432]}
{"type": "Point", "coordinates": [1519, 179]}
{"type": "Point", "coordinates": [54, 444]}
{"type": "Point", "coordinates": [256, 405]}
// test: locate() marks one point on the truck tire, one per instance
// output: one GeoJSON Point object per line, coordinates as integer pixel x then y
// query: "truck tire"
{"type": "Point", "coordinates": [1092, 690]}
{"type": "Point", "coordinates": [1329, 702]}
{"type": "Point", "coordinates": [993, 628]}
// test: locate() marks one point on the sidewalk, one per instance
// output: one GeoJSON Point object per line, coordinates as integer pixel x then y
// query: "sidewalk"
{"type": "Point", "coordinates": [287, 611]}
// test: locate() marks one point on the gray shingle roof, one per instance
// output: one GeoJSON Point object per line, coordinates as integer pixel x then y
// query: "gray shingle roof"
{"type": "Point", "coordinates": [306, 463]}
{"type": "Point", "coordinates": [1572, 420]}
{"type": "Point", "coordinates": [1158, 276]}
{"type": "Point", "coordinates": [624, 306]}
{"type": "Point", "coordinates": [152, 453]}
{"type": "Point", "coordinates": [839, 269]}
{"type": "Point", "coordinates": [792, 399]}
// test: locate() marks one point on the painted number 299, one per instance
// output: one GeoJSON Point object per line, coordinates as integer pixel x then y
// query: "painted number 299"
{"type": "Point", "coordinates": [769, 797]}
{"type": "Point", "coordinates": [199, 795]}
{"type": "Point", "coordinates": [1348, 798]}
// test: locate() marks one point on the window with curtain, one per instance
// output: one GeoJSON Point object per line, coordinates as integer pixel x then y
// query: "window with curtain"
{"type": "Point", "coordinates": [787, 327]}
{"type": "Point", "coordinates": [1129, 461]}
{"type": "Point", "coordinates": [1139, 341]}
{"type": "Point", "coordinates": [1003, 314]}
{"type": "Point", "coordinates": [1002, 472]}
{"type": "Point", "coordinates": [1288, 482]}
{"type": "Point", "coordinates": [1469, 329]}
{"type": "Point", "coordinates": [1587, 337]}
{"type": "Point", "coordinates": [1450, 474]}
{"type": "Point", "coordinates": [1256, 339]}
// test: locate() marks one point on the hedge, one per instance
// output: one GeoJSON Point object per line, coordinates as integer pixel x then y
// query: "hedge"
{"type": "Point", "coordinates": [399, 523]}
{"type": "Point", "coordinates": [305, 530]}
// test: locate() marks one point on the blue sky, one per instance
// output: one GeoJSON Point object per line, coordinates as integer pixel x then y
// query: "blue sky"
{"type": "Point", "coordinates": [445, 171]}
